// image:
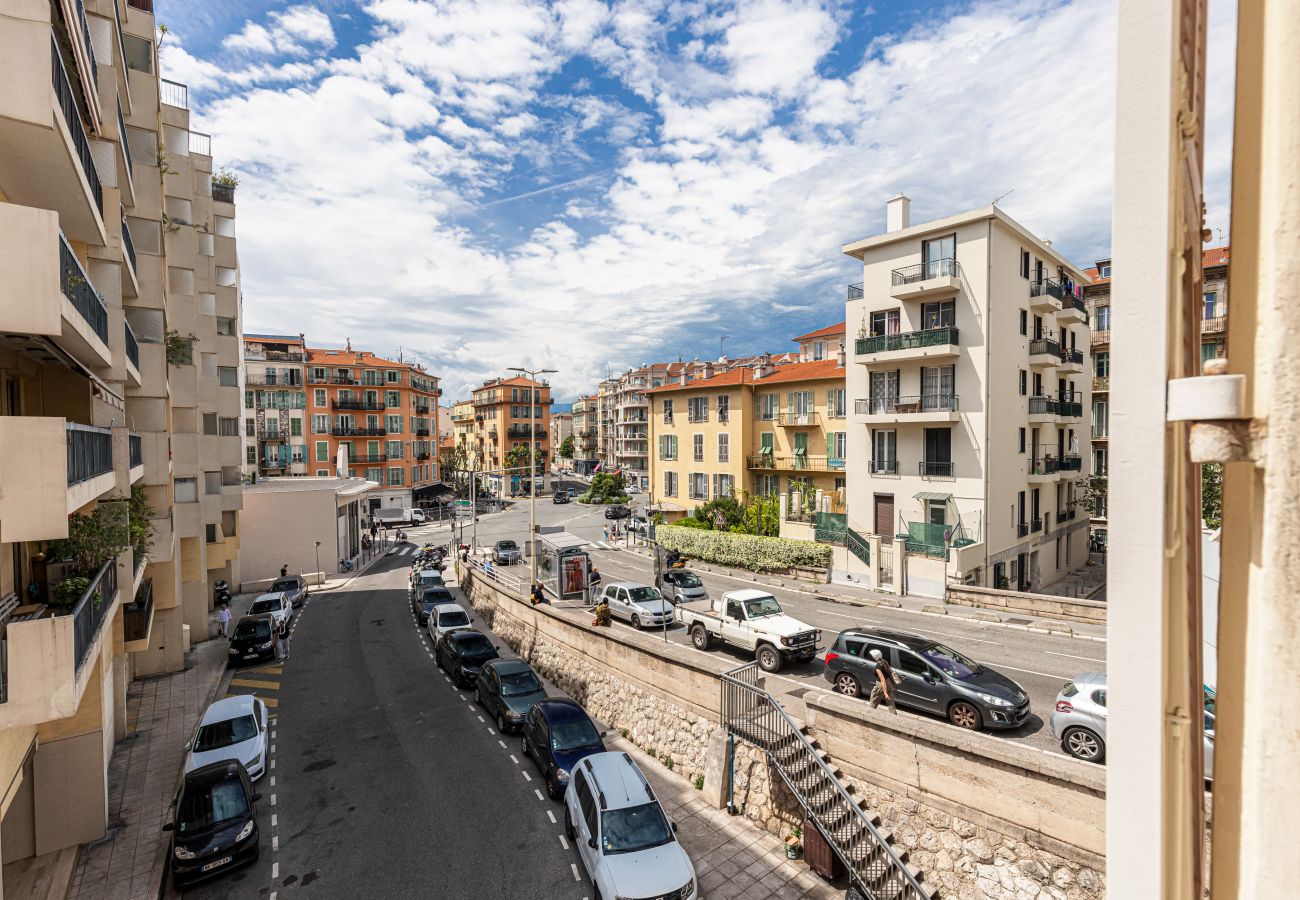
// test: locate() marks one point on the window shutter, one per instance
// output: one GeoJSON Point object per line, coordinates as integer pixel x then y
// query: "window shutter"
{"type": "Point", "coordinates": [767, 443]}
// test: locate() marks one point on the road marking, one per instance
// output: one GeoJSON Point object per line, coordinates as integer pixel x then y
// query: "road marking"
{"type": "Point", "coordinates": [272, 734]}
{"type": "Point", "coordinates": [1072, 656]}
{"type": "Point", "coordinates": [502, 743]}
{"type": "Point", "coordinates": [275, 842]}
{"type": "Point", "coordinates": [272, 748]}
{"type": "Point", "coordinates": [271, 702]}
{"type": "Point", "coordinates": [481, 719]}
{"type": "Point", "coordinates": [564, 843]}
{"type": "Point", "coordinates": [272, 781]}
{"type": "Point", "coordinates": [273, 799]}
{"type": "Point", "coordinates": [275, 871]}
{"type": "Point", "coordinates": [275, 820]}
{"type": "Point", "coordinates": [273, 764]}
{"type": "Point", "coordinates": [960, 637]}
{"type": "Point", "coordinates": [446, 679]}
{"type": "Point", "coordinates": [574, 867]}
{"type": "Point", "coordinates": [527, 777]}
{"type": "Point", "coordinates": [490, 731]}
{"type": "Point", "coordinates": [550, 815]}
{"type": "Point", "coordinates": [1026, 671]}
{"type": "Point", "coordinates": [539, 794]}
{"type": "Point", "coordinates": [254, 683]}
{"type": "Point", "coordinates": [513, 760]}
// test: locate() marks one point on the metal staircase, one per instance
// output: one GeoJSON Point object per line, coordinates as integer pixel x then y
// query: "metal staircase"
{"type": "Point", "coordinates": [874, 865]}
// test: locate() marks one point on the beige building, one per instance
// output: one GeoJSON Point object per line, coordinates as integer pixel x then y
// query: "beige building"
{"type": "Point", "coordinates": [462, 427]}
{"type": "Point", "coordinates": [275, 405]}
{"type": "Point", "coordinates": [969, 379]}
{"type": "Point", "coordinates": [561, 429]}
{"type": "Point", "coordinates": [586, 433]}
{"type": "Point", "coordinates": [511, 413]}
{"type": "Point", "coordinates": [306, 523]}
{"type": "Point", "coordinates": [118, 379]}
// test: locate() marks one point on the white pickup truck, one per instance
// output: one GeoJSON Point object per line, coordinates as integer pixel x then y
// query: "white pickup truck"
{"type": "Point", "coordinates": [751, 620]}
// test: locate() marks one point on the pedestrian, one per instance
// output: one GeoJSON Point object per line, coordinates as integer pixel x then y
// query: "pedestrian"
{"type": "Point", "coordinates": [284, 570]}
{"type": "Point", "coordinates": [606, 532]}
{"type": "Point", "coordinates": [536, 596]}
{"type": "Point", "coordinates": [595, 576]}
{"type": "Point", "coordinates": [282, 644]}
{"type": "Point", "coordinates": [223, 620]}
{"type": "Point", "coordinates": [886, 678]}
{"type": "Point", "coordinates": [373, 531]}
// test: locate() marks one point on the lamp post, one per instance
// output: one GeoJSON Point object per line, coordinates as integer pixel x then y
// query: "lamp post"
{"type": "Point", "coordinates": [532, 471]}
{"type": "Point", "coordinates": [320, 576]}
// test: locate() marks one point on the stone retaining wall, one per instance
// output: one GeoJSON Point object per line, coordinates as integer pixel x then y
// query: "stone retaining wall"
{"type": "Point", "coordinates": [1067, 609]}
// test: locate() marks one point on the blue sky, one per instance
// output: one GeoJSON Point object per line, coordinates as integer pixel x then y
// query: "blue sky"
{"type": "Point", "coordinates": [587, 185]}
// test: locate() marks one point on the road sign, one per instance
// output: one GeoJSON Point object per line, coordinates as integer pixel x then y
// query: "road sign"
{"type": "Point", "coordinates": [465, 504]}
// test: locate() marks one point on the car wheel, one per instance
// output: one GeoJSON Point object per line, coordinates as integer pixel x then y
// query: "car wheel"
{"type": "Point", "coordinates": [1083, 744]}
{"type": "Point", "coordinates": [636, 621]}
{"type": "Point", "coordinates": [568, 824]}
{"type": "Point", "coordinates": [769, 660]}
{"type": "Point", "coordinates": [847, 685]}
{"type": "Point", "coordinates": [964, 715]}
{"type": "Point", "coordinates": [478, 697]}
{"type": "Point", "coordinates": [523, 746]}
{"type": "Point", "coordinates": [502, 725]}
{"type": "Point", "coordinates": [700, 637]}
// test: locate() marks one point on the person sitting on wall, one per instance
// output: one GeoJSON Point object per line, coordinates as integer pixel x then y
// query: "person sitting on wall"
{"type": "Point", "coordinates": [602, 614]}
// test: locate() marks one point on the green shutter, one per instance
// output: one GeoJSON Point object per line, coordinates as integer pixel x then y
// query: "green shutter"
{"type": "Point", "coordinates": [767, 438]}
{"type": "Point", "coordinates": [801, 448]}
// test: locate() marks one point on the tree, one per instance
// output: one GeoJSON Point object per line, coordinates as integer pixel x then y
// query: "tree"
{"type": "Point", "coordinates": [566, 447]}
{"type": "Point", "coordinates": [457, 469]}
{"type": "Point", "coordinates": [1092, 495]}
{"type": "Point", "coordinates": [1212, 494]}
{"type": "Point", "coordinates": [517, 458]}
{"type": "Point", "coordinates": [605, 488]}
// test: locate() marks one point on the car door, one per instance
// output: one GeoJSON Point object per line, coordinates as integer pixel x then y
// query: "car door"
{"type": "Point", "coordinates": [587, 826]}
{"type": "Point", "coordinates": [542, 744]}
{"type": "Point", "coordinates": [495, 703]}
{"type": "Point", "coordinates": [735, 628]}
{"type": "Point", "coordinates": [922, 686]}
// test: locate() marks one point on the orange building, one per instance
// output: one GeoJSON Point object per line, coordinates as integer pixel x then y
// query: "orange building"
{"type": "Point", "coordinates": [383, 412]}
{"type": "Point", "coordinates": [504, 409]}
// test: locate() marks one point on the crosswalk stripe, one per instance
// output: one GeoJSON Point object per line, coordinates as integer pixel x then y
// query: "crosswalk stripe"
{"type": "Point", "coordinates": [405, 550]}
{"type": "Point", "coordinates": [254, 683]}
{"type": "Point", "coordinates": [271, 702]}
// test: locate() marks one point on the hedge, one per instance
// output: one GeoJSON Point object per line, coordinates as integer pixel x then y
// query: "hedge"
{"type": "Point", "coordinates": [744, 551]}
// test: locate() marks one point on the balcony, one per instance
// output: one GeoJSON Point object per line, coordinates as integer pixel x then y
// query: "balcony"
{"type": "Point", "coordinates": [1044, 469]}
{"type": "Point", "coordinates": [368, 458]}
{"type": "Point", "coordinates": [936, 468]}
{"type": "Point", "coordinates": [425, 432]}
{"type": "Point", "coordinates": [1071, 360]}
{"type": "Point", "coordinates": [1214, 325]}
{"type": "Point", "coordinates": [275, 380]}
{"type": "Point", "coordinates": [1036, 524]}
{"type": "Point", "coordinates": [135, 454]}
{"type": "Point", "coordinates": [132, 349]}
{"type": "Point", "coordinates": [333, 379]}
{"type": "Point", "coordinates": [47, 160]}
{"type": "Point", "coordinates": [918, 408]}
{"type": "Point", "coordinates": [1101, 432]}
{"type": "Point", "coordinates": [1022, 529]}
{"type": "Point", "coordinates": [1073, 310]}
{"type": "Point", "coordinates": [798, 419]}
{"type": "Point", "coordinates": [854, 291]}
{"type": "Point", "coordinates": [521, 431]}
{"type": "Point", "coordinates": [930, 343]}
{"type": "Point", "coordinates": [1069, 408]}
{"type": "Point", "coordinates": [137, 618]}
{"type": "Point", "coordinates": [358, 432]}
{"type": "Point", "coordinates": [263, 353]}
{"type": "Point", "coordinates": [1066, 515]}
{"type": "Point", "coordinates": [1043, 410]}
{"type": "Point", "coordinates": [1100, 383]}
{"type": "Point", "coordinates": [367, 405]}
{"type": "Point", "coordinates": [223, 193]}
{"type": "Point", "coordinates": [883, 467]}
{"type": "Point", "coordinates": [936, 278]}
{"type": "Point", "coordinates": [273, 435]}
{"type": "Point", "coordinates": [89, 463]}
{"type": "Point", "coordinates": [1071, 464]}
{"type": "Point", "coordinates": [422, 455]}
{"type": "Point", "coordinates": [1046, 295]}
{"type": "Point", "coordinates": [1099, 338]}
{"type": "Point", "coordinates": [1044, 353]}
{"type": "Point", "coordinates": [797, 462]}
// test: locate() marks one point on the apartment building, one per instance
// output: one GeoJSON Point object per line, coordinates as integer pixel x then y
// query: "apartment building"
{"type": "Point", "coordinates": [969, 390]}
{"type": "Point", "coordinates": [1214, 329]}
{"type": "Point", "coordinates": [561, 428]}
{"type": "Point", "coordinates": [605, 393]}
{"type": "Point", "coordinates": [586, 431]}
{"type": "Point", "coordinates": [275, 405]}
{"type": "Point", "coordinates": [381, 412]}
{"type": "Point", "coordinates": [509, 413]}
{"type": "Point", "coordinates": [462, 427]}
{"type": "Point", "coordinates": [111, 402]}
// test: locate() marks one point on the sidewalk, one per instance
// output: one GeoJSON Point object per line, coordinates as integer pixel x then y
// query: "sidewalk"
{"type": "Point", "coordinates": [733, 857]}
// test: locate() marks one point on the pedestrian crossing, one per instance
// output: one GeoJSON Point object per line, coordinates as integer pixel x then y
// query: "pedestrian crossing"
{"type": "Point", "coordinates": [257, 680]}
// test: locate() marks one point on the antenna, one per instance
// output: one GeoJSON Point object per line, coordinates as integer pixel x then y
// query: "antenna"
{"type": "Point", "coordinates": [1002, 196]}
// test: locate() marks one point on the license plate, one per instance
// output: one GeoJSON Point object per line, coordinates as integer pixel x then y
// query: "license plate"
{"type": "Point", "coordinates": [250, 656]}
{"type": "Point", "coordinates": [216, 863]}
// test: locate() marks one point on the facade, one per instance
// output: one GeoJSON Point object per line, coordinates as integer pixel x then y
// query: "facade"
{"type": "Point", "coordinates": [507, 411]}
{"type": "Point", "coordinates": [605, 392]}
{"type": "Point", "coordinates": [969, 390]}
{"type": "Point", "coordinates": [1213, 331]}
{"type": "Point", "coordinates": [289, 521]}
{"type": "Point", "coordinates": [119, 313]}
{"type": "Point", "coordinates": [462, 427]}
{"type": "Point", "coordinates": [275, 405]}
{"type": "Point", "coordinates": [561, 428]}
{"type": "Point", "coordinates": [586, 434]}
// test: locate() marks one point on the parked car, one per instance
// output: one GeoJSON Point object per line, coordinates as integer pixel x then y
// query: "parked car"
{"type": "Point", "coordinates": [232, 728]}
{"type": "Point", "coordinates": [276, 605]}
{"type": "Point", "coordinates": [751, 620]}
{"type": "Point", "coordinates": [505, 553]}
{"type": "Point", "coordinates": [425, 578]}
{"type": "Point", "coordinates": [617, 511]}
{"type": "Point", "coordinates": [561, 496]}
{"type": "Point", "coordinates": [625, 840]}
{"type": "Point", "coordinates": [508, 688]}
{"type": "Point", "coordinates": [462, 653]}
{"type": "Point", "coordinates": [936, 678]}
{"type": "Point", "coordinates": [292, 586]}
{"type": "Point", "coordinates": [682, 586]}
{"type": "Point", "coordinates": [639, 604]}
{"type": "Point", "coordinates": [638, 524]}
{"type": "Point", "coordinates": [214, 823]}
{"type": "Point", "coordinates": [1079, 720]}
{"type": "Point", "coordinates": [447, 617]}
{"type": "Point", "coordinates": [558, 734]}
{"type": "Point", "coordinates": [253, 639]}
{"type": "Point", "coordinates": [424, 602]}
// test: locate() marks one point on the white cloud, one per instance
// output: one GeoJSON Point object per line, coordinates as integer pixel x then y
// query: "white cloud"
{"type": "Point", "coordinates": [294, 31]}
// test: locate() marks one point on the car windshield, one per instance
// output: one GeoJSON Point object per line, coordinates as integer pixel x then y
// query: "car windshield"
{"type": "Point", "coordinates": [950, 662]}
{"type": "Point", "coordinates": [688, 579]}
{"type": "Point", "coordinates": [455, 617]}
{"type": "Point", "coordinates": [515, 684]}
{"type": "Point", "coordinates": [433, 598]}
{"type": "Point", "coordinates": [253, 630]}
{"type": "Point", "coordinates": [644, 594]}
{"type": "Point", "coordinates": [507, 545]}
{"type": "Point", "coordinates": [762, 606]}
{"type": "Point", "coordinates": [210, 805]}
{"type": "Point", "coordinates": [216, 735]}
{"type": "Point", "coordinates": [574, 735]}
{"type": "Point", "coordinates": [634, 828]}
{"type": "Point", "coordinates": [285, 584]}
{"type": "Point", "coordinates": [474, 646]}
{"type": "Point", "coordinates": [264, 606]}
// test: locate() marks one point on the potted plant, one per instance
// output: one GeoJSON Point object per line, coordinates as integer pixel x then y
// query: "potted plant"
{"type": "Point", "coordinates": [794, 843]}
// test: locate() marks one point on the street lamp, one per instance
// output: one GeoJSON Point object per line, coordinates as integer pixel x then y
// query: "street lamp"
{"type": "Point", "coordinates": [320, 576]}
{"type": "Point", "coordinates": [532, 473]}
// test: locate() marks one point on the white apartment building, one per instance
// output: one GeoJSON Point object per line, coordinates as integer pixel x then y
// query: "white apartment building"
{"type": "Point", "coordinates": [275, 405]}
{"type": "Point", "coordinates": [970, 380]}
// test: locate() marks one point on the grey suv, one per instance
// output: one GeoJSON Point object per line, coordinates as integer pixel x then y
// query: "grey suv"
{"type": "Point", "coordinates": [292, 586]}
{"type": "Point", "coordinates": [936, 679]}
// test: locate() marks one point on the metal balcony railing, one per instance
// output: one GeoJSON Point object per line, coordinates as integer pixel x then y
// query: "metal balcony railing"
{"type": "Point", "coordinates": [1214, 324]}
{"type": "Point", "coordinates": [1100, 432]}
{"type": "Point", "coordinates": [80, 292]}
{"type": "Point", "coordinates": [338, 431]}
{"type": "Point", "coordinates": [1071, 356]}
{"type": "Point", "coordinates": [174, 94]}
{"type": "Point", "coordinates": [121, 138]}
{"type": "Point", "coordinates": [915, 403]}
{"type": "Point", "coordinates": [132, 345]}
{"type": "Point", "coordinates": [1049, 287]}
{"type": "Point", "coordinates": [1072, 462]}
{"type": "Point", "coordinates": [200, 143]}
{"type": "Point", "coordinates": [128, 246]}
{"type": "Point", "coordinates": [137, 614]}
{"type": "Point", "coordinates": [935, 268]}
{"type": "Point", "coordinates": [884, 467]}
{"type": "Point", "coordinates": [937, 468]}
{"type": "Point", "coordinates": [1073, 302]}
{"type": "Point", "coordinates": [1022, 529]}
{"type": "Point", "coordinates": [874, 866]}
{"type": "Point", "coordinates": [88, 614]}
{"type": "Point", "coordinates": [90, 452]}
{"type": "Point", "coordinates": [1044, 406]}
{"type": "Point", "coordinates": [909, 340]}
{"type": "Point", "coordinates": [1101, 336]}
{"type": "Point", "coordinates": [1044, 346]}
{"type": "Point", "coordinates": [795, 462]}
{"type": "Point", "coordinates": [371, 405]}
{"type": "Point", "coordinates": [425, 432]}
{"type": "Point", "coordinates": [1100, 383]}
{"type": "Point", "coordinates": [1044, 465]}
{"type": "Point", "coordinates": [798, 419]}
{"type": "Point", "coordinates": [223, 193]}
{"type": "Point", "coordinates": [135, 450]}
{"type": "Point", "coordinates": [855, 291]}
{"type": "Point", "coordinates": [72, 116]}
{"type": "Point", "coordinates": [1036, 524]}
{"type": "Point", "coordinates": [369, 458]}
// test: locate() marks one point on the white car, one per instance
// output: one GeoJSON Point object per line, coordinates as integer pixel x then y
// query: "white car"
{"type": "Point", "coordinates": [233, 728]}
{"type": "Point", "coordinates": [448, 617]}
{"type": "Point", "coordinates": [626, 842]}
{"type": "Point", "coordinates": [276, 605]}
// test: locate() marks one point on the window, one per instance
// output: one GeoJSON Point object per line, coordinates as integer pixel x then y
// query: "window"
{"type": "Point", "coordinates": [819, 350]}
{"type": "Point", "coordinates": [724, 447]}
{"type": "Point", "coordinates": [698, 485]}
{"type": "Point", "coordinates": [670, 484]}
{"type": "Point", "coordinates": [768, 406]}
{"type": "Point", "coordinates": [801, 404]}
{"type": "Point", "coordinates": [210, 533]}
{"type": "Point", "coordinates": [209, 423]}
{"type": "Point", "coordinates": [936, 254]}
{"type": "Point", "coordinates": [395, 475]}
{"type": "Point", "coordinates": [1100, 418]}
{"type": "Point", "coordinates": [248, 399]}
{"type": "Point", "coordinates": [1101, 319]}
{"type": "Point", "coordinates": [322, 451]}
{"type": "Point", "coordinates": [393, 424]}
{"type": "Point", "coordinates": [766, 485]}
{"type": "Point", "coordinates": [1020, 509]}
{"type": "Point", "coordinates": [228, 427]}
{"type": "Point", "coordinates": [392, 399]}
{"type": "Point", "coordinates": [667, 446]}
{"type": "Point", "coordinates": [1024, 382]}
{"type": "Point", "coordinates": [836, 404]}
{"type": "Point", "coordinates": [1100, 457]}
{"type": "Point", "coordinates": [837, 444]}
{"type": "Point", "coordinates": [1104, 270]}
{"type": "Point", "coordinates": [1210, 351]}
{"type": "Point", "coordinates": [884, 451]}
{"type": "Point", "coordinates": [392, 377]}
{"type": "Point", "coordinates": [697, 409]}
{"type": "Point", "coordinates": [320, 424]}
{"type": "Point", "coordinates": [668, 412]}
{"type": "Point", "coordinates": [1024, 265]}
{"type": "Point", "coordinates": [1101, 364]}
{"type": "Point", "coordinates": [724, 407]}
{"type": "Point", "coordinates": [138, 53]}
{"type": "Point", "coordinates": [884, 322]}
{"type": "Point", "coordinates": [250, 455]}
{"type": "Point", "coordinates": [1024, 321]}
{"type": "Point", "coordinates": [250, 427]}
{"type": "Point", "coordinates": [295, 427]}
{"type": "Point", "coordinates": [937, 387]}
{"type": "Point", "coordinates": [228, 376]}
{"type": "Point", "coordinates": [724, 485]}
{"type": "Point", "coordinates": [938, 315]}
{"type": "Point", "coordinates": [938, 452]}
{"type": "Point", "coordinates": [318, 397]}
{"type": "Point", "coordinates": [1211, 304]}
{"type": "Point", "coordinates": [884, 391]}
{"type": "Point", "coordinates": [225, 326]}
{"type": "Point", "coordinates": [1022, 440]}
{"type": "Point", "coordinates": [697, 447]}
{"type": "Point", "coordinates": [187, 490]}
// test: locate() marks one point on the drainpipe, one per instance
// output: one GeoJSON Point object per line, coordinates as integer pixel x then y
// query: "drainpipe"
{"type": "Point", "coordinates": [731, 774]}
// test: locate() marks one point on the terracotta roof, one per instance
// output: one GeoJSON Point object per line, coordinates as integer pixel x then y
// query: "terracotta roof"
{"type": "Point", "coordinates": [448, 441]}
{"type": "Point", "coordinates": [352, 358]}
{"type": "Point", "coordinates": [517, 381]}
{"type": "Point", "coordinates": [817, 370]}
{"type": "Point", "coordinates": [828, 331]}
{"type": "Point", "coordinates": [741, 375]}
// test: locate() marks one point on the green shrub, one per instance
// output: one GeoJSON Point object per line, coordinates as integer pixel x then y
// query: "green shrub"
{"type": "Point", "coordinates": [70, 590]}
{"type": "Point", "coordinates": [668, 762]}
{"type": "Point", "coordinates": [744, 551]}
{"type": "Point", "coordinates": [623, 731]}
{"type": "Point", "coordinates": [699, 782]}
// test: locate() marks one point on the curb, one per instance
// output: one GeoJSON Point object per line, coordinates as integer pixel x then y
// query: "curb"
{"type": "Point", "coordinates": [934, 609]}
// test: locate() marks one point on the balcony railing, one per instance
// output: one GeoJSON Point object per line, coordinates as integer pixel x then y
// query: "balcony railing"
{"type": "Point", "coordinates": [1072, 462]}
{"type": "Point", "coordinates": [143, 5]}
{"type": "Point", "coordinates": [795, 462]}
{"type": "Point", "coordinates": [884, 467]}
{"type": "Point", "coordinates": [175, 94]}
{"type": "Point", "coordinates": [1214, 324]}
{"type": "Point", "coordinates": [1071, 356]}
{"type": "Point", "coordinates": [1071, 301]}
{"type": "Point", "coordinates": [200, 143]}
{"type": "Point", "coordinates": [1047, 346]}
{"type": "Point", "coordinates": [88, 614]}
{"type": "Point", "coordinates": [132, 346]}
{"type": "Point", "coordinates": [371, 405]}
{"type": "Point", "coordinates": [520, 431]}
{"type": "Point", "coordinates": [915, 403]}
{"type": "Point", "coordinates": [423, 455]}
{"type": "Point", "coordinates": [1044, 465]}
{"type": "Point", "coordinates": [369, 458]}
{"type": "Point", "coordinates": [1022, 529]}
{"type": "Point", "coordinates": [1044, 406]}
{"type": "Point", "coordinates": [798, 419]}
{"type": "Point", "coordinates": [121, 135]}
{"type": "Point", "coordinates": [128, 247]}
{"type": "Point", "coordinates": [1049, 287]}
{"type": "Point", "coordinates": [80, 292]}
{"type": "Point", "coordinates": [137, 613]}
{"type": "Point", "coordinates": [276, 355]}
{"type": "Point", "coordinates": [1101, 383]}
{"type": "Point", "coordinates": [935, 268]}
{"type": "Point", "coordinates": [425, 432]}
{"type": "Point", "coordinates": [1100, 432]}
{"type": "Point", "coordinates": [855, 291]}
{"type": "Point", "coordinates": [909, 340]}
{"type": "Point", "coordinates": [1036, 524]}
{"type": "Point", "coordinates": [358, 432]}
{"type": "Point", "coordinates": [331, 379]}
{"type": "Point", "coordinates": [289, 380]}
{"type": "Point", "coordinates": [1099, 337]}
{"type": "Point", "coordinates": [71, 115]}
{"type": "Point", "coordinates": [942, 468]}
{"type": "Point", "coordinates": [1066, 515]}
{"type": "Point", "coordinates": [135, 450]}
{"type": "Point", "coordinates": [223, 193]}
{"type": "Point", "coordinates": [272, 434]}
{"type": "Point", "coordinates": [1069, 409]}
{"type": "Point", "coordinates": [90, 452]}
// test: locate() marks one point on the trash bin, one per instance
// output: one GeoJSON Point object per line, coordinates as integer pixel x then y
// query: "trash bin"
{"type": "Point", "coordinates": [818, 853]}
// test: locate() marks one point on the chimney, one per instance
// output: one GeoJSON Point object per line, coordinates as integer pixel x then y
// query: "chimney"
{"type": "Point", "coordinates": [898, 213]}
{"type": "Point", "coordinates": [839, 356]}
{"type": "Point", "coordinates": [684, 376]}
{"type": "Point", "coordinates": [763, 366]}
{"type": "Point", "coordinates": [708, 370]}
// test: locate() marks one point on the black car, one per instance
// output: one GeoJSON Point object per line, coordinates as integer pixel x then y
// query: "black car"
{"type": "Point", "coordinates": [214, 823]}
{"type": "Point", "coordinates": [462, 653]}
{"type": "Point", "coordinates": [292, 586]}
{"type": "Point", "coordinates": [428, 599]}
{"type": "Point", "coordinates": [936, 679]}
{"type": "Point", "coordinates": [557, 735]}
{"type": "Point", "coordinates": [617, 511]}
{"type": "Point", "coordinates": [561, 497]}
{"type": "Point", "coordinates": [508, 688]}
{"type": "Point", "coordinates": [252, 639]}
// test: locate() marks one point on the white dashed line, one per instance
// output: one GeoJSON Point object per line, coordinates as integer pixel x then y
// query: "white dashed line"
{"type": "Point", "coordinates": [539, 795]}
{"type": "Point", "coordinates": [273, 748]}
{"type": "Point", "coordinates": [574, 867]}
{"type": "Point", "coordinates": [275, 871]}
{"type": "Point", "coordinates": [272, 734]}
{"type": "Point", "coordinates": [502, 743]}
{"type": "Point", "coordinates": [272, 764]}
{"type": "Point", "coordinates": [275, 842]}
{"type": "Point", "coordinates": [275, 820]}
{"type": "Point", "coordinates": [272, 781]}
{"type": "Point", "coordinates": [490, 731]}
{"type": "Point", "coordinates": [527, 777]}
{"type": "Point", "coordinates": [550, 815]}
{"type": "Point", "coordinates": [273, 799]}
{"type": "Point", "coordinates": [564, 843]}
{"type": "Point", "coordinates": [480, 718]}
{"type": "Point", "coordinates": [513, 759]}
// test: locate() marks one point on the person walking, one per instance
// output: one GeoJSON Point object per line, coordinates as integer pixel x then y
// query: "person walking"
{"type": "Point", "coordinates": [223, 620]}
{"type": "Point", "coordinates": [284, 570]}
{"type": "Point", "coordinates": [282, 644]}
{"type": "Point", "coordinates": [886, 678]}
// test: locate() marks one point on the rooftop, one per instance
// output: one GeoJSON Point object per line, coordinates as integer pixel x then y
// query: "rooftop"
{"type": "Point", "coordinates": [828, 331]}
{"type": "Point", "coordinates": [339, 486]}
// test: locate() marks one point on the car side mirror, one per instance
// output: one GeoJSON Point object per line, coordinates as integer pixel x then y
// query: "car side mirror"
{"type": "Point", "coordinates": [168, 826]}
{"type": "Point", "coordinates": [257, 797]}
{"type": "Point", "coordinates": [591, 842]}
{"type": "Point", "coordinates": [188, 744]}
{"type": "Point", "coordinates": [674, 824]}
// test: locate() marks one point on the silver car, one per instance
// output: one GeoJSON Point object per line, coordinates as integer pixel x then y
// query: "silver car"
{"type": "Point", "coordinates": [683, 586]}
{"type": "Point", "coordinates": [1079, 721]}
{"type": "Point", "coordinates": [639, 604]}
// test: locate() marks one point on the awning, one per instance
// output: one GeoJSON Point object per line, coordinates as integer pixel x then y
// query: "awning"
{"type": "Point", "coordinates": [665, 506]}
{"type": "Point", "coordinates": [432, 491]}
{"type": "Point", "coordinates": [929, 495]}
{"type": "Point", "coordinates": [562, 540]}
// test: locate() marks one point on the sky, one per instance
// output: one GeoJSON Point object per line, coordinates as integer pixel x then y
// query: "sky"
{"type": "Point", "coordinates": [587, 186]}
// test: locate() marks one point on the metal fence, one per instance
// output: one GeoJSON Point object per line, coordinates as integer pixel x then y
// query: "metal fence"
{"type": "Point", "coordinates": [71, 115]}
{"type": "Point", "coordinates": [908, 340]}
{"type": "Point", "coordinates": [76, 286]}
{"type": "Point", "coordinates": [750, 713]}
{"type": "Point", "coordinates": [505, 579]}
{"type": "Point", "coordinates": [935, 268]}
{"type": "Point", "coordinates": [175, 94]}
{"type": "Point", "coordinates": [136, 614]}
{"type": "Point", "coordinates": [200, 143]}
{"type": "Point", "coordinates": [90, 452]}
{"type": "Point", "coordinates": [88, 614]}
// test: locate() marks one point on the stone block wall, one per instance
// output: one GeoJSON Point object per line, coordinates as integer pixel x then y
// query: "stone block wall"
{"type": "Point", "coordinates": [1066, 609]}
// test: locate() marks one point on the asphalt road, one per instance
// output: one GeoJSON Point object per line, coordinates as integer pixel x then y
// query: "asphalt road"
{"type": "Point", "coordinates": [1041, 663]}
{"type": "Point", "coordinates": [386, 781]}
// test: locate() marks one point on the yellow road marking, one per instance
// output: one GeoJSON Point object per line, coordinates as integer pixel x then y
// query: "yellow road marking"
{"type": "Point", "coordinates": [268, 670]}
{"type": "Point", "coordinates": [255, 683]}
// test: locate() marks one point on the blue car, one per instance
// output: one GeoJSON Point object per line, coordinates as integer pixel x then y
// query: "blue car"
{"type": "Point", "coordinates": [557, 734]}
